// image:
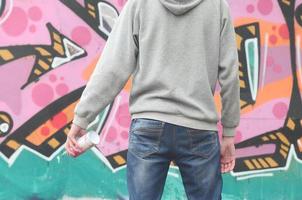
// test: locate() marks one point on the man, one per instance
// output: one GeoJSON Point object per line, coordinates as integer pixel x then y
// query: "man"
{"type": "Point", "coordinates": [176, 51]}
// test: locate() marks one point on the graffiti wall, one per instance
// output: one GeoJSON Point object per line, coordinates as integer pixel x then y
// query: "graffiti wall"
{"type": "Point", "coordinates": [48, 50]}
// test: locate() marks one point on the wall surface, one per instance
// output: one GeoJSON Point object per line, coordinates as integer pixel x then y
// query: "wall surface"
{"type": "Point", "coordinates": [48, 49]}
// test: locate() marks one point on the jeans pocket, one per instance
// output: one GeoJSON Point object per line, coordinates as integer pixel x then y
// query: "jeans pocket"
{"type": "Point", "coordinates": [144, 137]}
{"type": "Point", "coordinates": [203, 142]}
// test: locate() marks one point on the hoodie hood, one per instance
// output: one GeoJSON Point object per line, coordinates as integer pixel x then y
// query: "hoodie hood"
{"type": "Point", "coordinates": [180, 7]}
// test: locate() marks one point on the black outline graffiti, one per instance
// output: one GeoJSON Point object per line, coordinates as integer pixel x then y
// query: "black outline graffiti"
{"type": "Point", "coordinates": [44, 54]}
{"type": "Point", "coordinates": [288, 135]}
{"type": "Point", "coordinates": [83, 14]}
{"type": "Point", "coordinates": [2, 8]}
{"type": "Point", "coordinates": [244, 33]}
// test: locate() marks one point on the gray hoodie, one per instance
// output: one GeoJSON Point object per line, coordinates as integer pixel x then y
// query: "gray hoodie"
{"type": "Point", "coordinates": [176, 51]}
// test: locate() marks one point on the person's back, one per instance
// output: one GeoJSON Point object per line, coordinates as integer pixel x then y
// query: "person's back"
{"type": "Point", "coordinates": [177, 70]}
{"type": "Point", "coordinates": [176, 51]}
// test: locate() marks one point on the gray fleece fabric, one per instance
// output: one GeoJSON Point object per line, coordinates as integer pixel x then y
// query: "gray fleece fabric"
{"type": "Point", "coordinates": [176, 50]}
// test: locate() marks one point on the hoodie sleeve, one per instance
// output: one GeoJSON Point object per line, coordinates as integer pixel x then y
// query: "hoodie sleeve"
{"type": "Point", "coordinates": [228, 74]}
{"type": "Point", "coordinates": [113, 69]}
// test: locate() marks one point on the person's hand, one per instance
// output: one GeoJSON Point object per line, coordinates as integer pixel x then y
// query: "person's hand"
{"type": "Point", "coordinates": [227, 154]}
{"type": "Point", "coordinates": [71, 146]}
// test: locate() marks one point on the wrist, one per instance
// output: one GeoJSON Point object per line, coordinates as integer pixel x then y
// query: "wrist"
{"type": "Point", "coordinates": [228, 131]}
{"type": "Point", "coordinates": [76, 126]}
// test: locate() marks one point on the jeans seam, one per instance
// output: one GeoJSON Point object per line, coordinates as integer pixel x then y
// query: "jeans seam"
{"type": "Point", "coordinates": [159, 138]}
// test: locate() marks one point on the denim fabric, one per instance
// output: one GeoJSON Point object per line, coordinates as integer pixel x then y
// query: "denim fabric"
{"type": "Point", "coordinates": [153, 144]}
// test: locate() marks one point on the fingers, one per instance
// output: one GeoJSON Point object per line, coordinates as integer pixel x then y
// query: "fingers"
{"type": "Point", "coordinates": [227, 156]}
{"type": "Point", "coordinates": [72, 147]}
{"type": "Point", "coordinates": [227, 163]}
{"type": "Point", "coordinates": [68, 149]}
{"type": "Point", "coordinates": [227, 166]}
{"type": "Point", "coordinates": [74, 144]}
{"type": "Point", "coordinates": [82, 132]}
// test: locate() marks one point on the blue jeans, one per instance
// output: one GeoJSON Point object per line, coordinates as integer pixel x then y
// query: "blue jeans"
{"type": "Point", "coordinates": [153, 144]}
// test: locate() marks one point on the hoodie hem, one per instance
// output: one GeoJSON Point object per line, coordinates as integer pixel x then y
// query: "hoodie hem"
{"type": "Point", "coordinates": [177, 120]}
